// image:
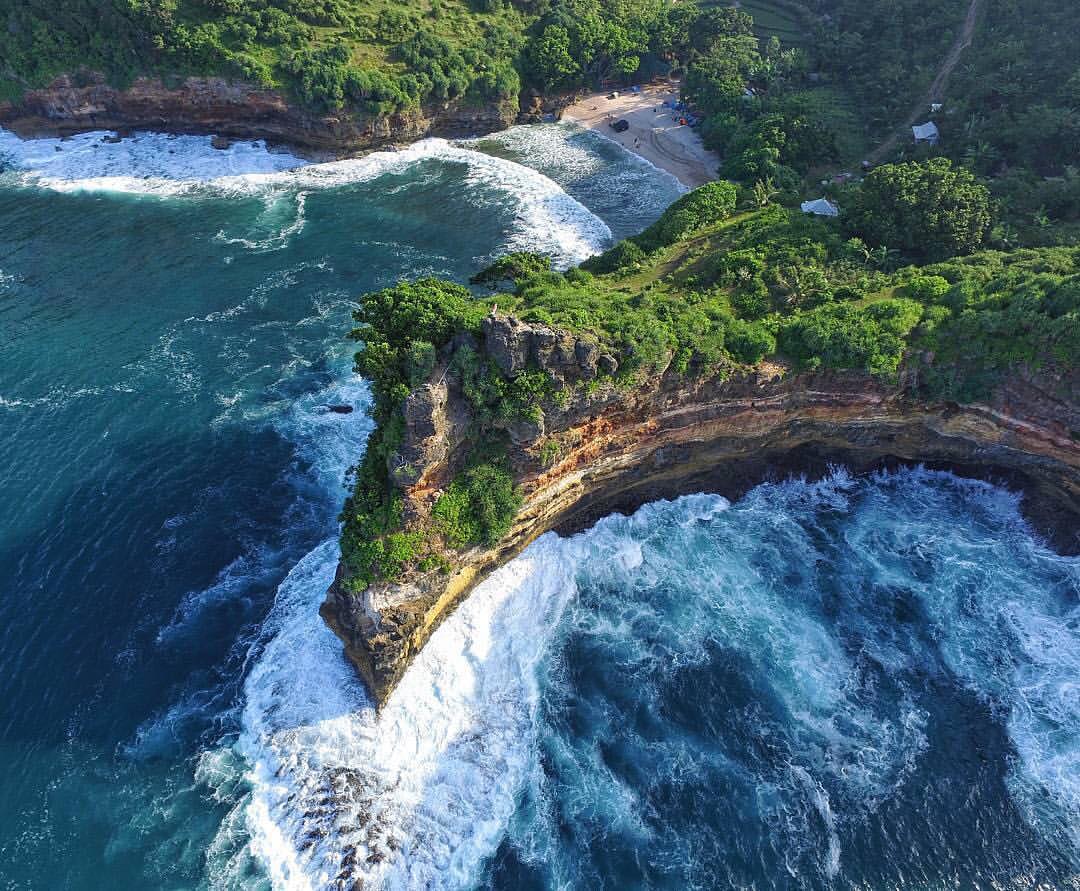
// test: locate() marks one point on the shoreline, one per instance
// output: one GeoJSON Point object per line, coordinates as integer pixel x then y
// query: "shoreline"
{"type": "Point", "coordinates": [654, 132]}
{"type": "Point", "coordinates": [234, 110]}
{"type": "Point", "coordinates": [229, 113]}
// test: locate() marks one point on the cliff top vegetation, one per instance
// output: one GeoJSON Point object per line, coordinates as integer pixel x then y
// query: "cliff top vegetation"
{"type": "Point", "coordinates": [715, 285]}
{"type": "Point", "coordinates": [802, 91]}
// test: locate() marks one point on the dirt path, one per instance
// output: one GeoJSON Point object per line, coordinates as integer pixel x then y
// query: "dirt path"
{"type": "Point", "coordinates": [937, 88]}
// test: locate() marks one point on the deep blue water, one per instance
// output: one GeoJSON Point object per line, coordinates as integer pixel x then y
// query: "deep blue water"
{"type": "Point", "coordinates": [862, 683]}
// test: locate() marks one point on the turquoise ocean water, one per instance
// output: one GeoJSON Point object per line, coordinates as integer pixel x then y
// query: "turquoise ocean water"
{"type": "Point", "coordinates": [856, 683]}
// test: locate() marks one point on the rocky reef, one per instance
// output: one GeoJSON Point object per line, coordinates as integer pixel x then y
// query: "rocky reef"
{"type": "Point", "coordinates": [229, 109]}
{"type": "Point", "coordinates": [612, 447]}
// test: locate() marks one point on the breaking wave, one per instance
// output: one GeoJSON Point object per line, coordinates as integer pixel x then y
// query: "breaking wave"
{"type": "Point", "coordinates": [546, 218]}
{"type": "Point", "coordinates": [558, 715]}
{"type": "Point", "coordinates": [621, 187]}
{"type": "Point", "coordinates": [144, 163]}
{"type": "Point", "coordinates": [703, 693]}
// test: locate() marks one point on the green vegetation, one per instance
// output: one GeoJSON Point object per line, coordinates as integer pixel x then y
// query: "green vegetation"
{"type": "Point", "coordinates": [711, 287]}
{"type": "Point", "coordinates": [1012, 113]}
{"type": "Point", "coordinates": [1009, 107]}
{"type": "Point", "coordinates": [379, 57]}
{"type": "Point", "coordinates": [477, 507]}
{"type": "Point", "coordinates": [729, 276]}
{"type": "Point", "coordinates": [773, 282]}
{"type": "Point", "coordinates": [401, 329]}
{"type": "Point", "coordinates": [886, 52]}
{"type": "Point", "coordinates": [580, 42]}
{"type": "Point", "coordinates": [372, 55]}
{"type": "Point", "coordinates": [931, 210]}
{"type": "Point", "coordinates": [513, 267]}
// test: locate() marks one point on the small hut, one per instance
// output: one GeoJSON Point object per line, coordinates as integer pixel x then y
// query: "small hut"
{"type": "Point", "coordinates": [927, 132]}
{"type": "Point", "coordinates": [821, 207]}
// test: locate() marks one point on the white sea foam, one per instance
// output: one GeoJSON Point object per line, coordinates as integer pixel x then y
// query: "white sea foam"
{"type": "Point", "coordinates": [56, 398]}
{"type": "Point", "coordinates": [546, 218]}
{"type": "Point", "coordinates": [419, 795]}
{"type": "Point", "coordinates": [565, 147]}
{"type": "Point", "coordinates": [1006, 611]}
{"type": "Point", "coordinates": [147, 163]}
{"type": "Point", "coordinates": [280, 234]}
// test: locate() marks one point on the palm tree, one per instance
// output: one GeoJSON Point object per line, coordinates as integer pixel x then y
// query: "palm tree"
{"type": "Point", "coordinates": [764, 192]}
{"type": "Point", "coordinates": [884, 258]}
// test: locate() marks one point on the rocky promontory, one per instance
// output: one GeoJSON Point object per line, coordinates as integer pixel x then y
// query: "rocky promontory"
{"type": "Point", "coordinates": [612, 447]}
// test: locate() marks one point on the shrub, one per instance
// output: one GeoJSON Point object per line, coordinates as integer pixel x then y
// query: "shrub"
{"type": "Point", "coordinates": [624, 255]}
{"type": "Point", "coordinates": [749, 342]}
{"type": "Point", "coordinates": [840, 335]}
{"type": "Point", "coordinates": [478, 507]}
{"type": "Point", "coordinates": [708, 204]}
{"type": "Point", "coordinates": [929, 209]}
{"type": "Point", "coordinates": [515, 266]}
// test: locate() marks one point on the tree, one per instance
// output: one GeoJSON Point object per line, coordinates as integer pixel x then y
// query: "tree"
{"type": "Point", "coordinates": [548, 59]}
{"type": "Point", "coordinates": [704, 206]}
{"type": "Point", "coordinates": [927, 209]}
{"type": "Point", "coordinates": [764, 192]}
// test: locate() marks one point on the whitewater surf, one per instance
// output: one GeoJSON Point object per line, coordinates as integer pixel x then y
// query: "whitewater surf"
{"type": "Point", "coordinates": [776, 692]}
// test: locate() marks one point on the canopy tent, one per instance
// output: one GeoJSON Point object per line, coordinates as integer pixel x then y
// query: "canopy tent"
{"type": "Point", "coordinates": [822, 207]}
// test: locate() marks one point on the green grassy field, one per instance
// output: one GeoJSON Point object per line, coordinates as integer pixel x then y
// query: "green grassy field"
{"type": "Point", "coordinates": [776, 19]}
{"type": "Point", "coordinates": [771, 18]}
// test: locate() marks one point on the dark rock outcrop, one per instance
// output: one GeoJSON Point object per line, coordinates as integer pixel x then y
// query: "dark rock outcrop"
{"type": "Point", "coordinates": [617, 449]}
{"type": "Point", "coordinates": [516, 346]}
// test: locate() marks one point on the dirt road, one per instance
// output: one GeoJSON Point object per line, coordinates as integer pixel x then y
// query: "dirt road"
{"type": "Point", "coordinates": [937, 89]}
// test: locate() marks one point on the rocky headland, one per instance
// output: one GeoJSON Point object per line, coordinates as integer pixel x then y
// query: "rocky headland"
{"type": "Point", "coordinates": [612, 448]}
{"type": "Point", "coordinates": [235, 110]}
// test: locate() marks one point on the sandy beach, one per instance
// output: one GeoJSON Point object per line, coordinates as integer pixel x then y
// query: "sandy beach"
{"type": "Point", "coordinates": [654, 133]}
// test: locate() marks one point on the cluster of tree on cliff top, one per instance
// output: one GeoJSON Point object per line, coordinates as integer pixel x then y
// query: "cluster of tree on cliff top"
{"type": "Point", "coordinates": [376, 55]}
{"type": "Point", "coordinates": [722, 280]}
{"type": "Point", "coordinates": [774, 111]}
{"type": "Point", "coordinates": [715, 281]}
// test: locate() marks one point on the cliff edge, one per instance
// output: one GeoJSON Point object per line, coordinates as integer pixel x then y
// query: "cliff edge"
{"type": "Point", "coordinates": [232, 109]}
{"type": "Point", "coordinates": [591, 445]}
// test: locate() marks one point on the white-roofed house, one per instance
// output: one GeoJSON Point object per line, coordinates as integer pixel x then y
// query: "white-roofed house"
{"type": "Point", "coordinates": [822, 207]}
{"type": "Point", "coordinates": [927, 132]}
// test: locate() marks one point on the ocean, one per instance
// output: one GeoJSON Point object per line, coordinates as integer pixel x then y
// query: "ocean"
{"type": "Point", "coordinates": [849, 683]}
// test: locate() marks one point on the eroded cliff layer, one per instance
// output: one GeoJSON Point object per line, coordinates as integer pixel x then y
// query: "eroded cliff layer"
{"type": "Point", "coordinates": [209, 105]}
{"type": "Point", "coordinates": [612, 448]}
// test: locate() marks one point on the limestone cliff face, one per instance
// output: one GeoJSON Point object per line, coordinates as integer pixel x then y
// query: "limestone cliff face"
{"type": "Point", "coordinates": [230, 109]}
{"type": "Point", "coordinates": [611, 449]}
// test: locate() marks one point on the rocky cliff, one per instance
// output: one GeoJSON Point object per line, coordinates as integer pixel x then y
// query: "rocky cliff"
{"type": "Point", "coordinates": [611, 448]}
{"type": "Point", "coordinates": [207, 105]}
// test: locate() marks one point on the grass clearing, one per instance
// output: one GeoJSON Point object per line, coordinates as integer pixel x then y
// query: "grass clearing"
{"type": "Point", "coordinates": [774, 18]}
